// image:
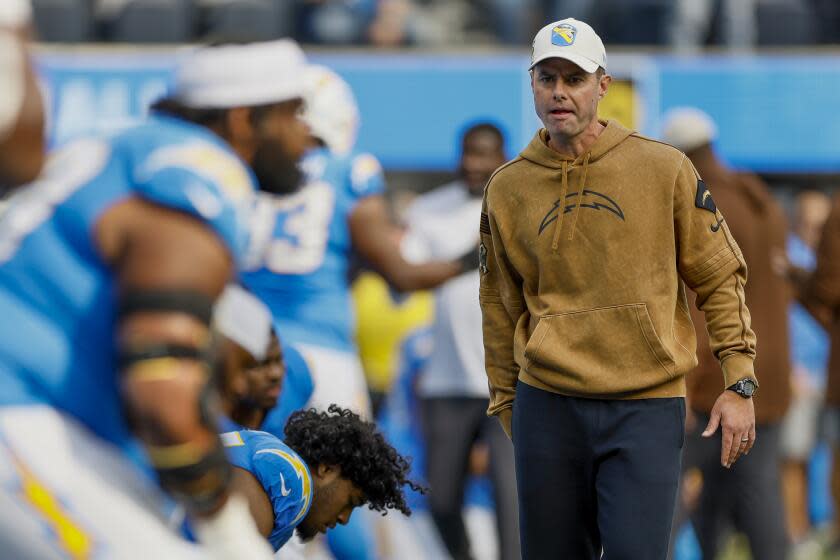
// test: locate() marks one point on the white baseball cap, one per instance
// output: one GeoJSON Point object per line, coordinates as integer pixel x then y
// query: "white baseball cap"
{"type": "Point", "coordinates": [688, 128]}
{"type": "Point", "coordinates": [240, 316]}
{"type": "Point", "coordinates": [241, 75]}
{"type": "Point", "coordinates": [571, 39]}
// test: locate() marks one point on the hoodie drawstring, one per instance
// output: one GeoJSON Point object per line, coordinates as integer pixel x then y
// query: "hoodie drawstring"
{"type": "Point", "coordinates": [561, 207]}
{"type": "Point", "coordinates": [581, 186]}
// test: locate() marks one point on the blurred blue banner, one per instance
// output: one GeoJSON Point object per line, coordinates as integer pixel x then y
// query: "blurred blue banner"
{"type": "Point", "coordinates": [95, 92]}
{"type": "Point", "coordinates": [779, 114]}
{"type": "Point", "coordinates": [775, 114]}
{"type": "Point", "coordinates": [414, 107]}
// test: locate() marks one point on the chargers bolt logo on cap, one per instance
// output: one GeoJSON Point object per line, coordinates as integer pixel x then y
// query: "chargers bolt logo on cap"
{"type": "Point", "coordinates": [563, 35]}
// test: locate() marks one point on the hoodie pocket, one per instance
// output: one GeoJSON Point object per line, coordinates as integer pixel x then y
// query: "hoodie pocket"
{"type": "Point", "coordinates": [606, 350]}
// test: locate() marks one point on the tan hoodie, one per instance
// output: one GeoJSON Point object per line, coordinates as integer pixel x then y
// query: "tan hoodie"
{"type": "Point", "coordinates": [590, 301]}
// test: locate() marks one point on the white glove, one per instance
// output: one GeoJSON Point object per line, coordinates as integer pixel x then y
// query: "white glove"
{"type": "Point", "coordinates": [231, 534]}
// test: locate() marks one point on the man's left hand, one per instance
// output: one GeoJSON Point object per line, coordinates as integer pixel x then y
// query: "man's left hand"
{"type": "Point", "coordinates": [736, 417]}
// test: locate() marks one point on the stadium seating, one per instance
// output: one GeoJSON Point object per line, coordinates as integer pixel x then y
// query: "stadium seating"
{"type": "Point", "coordinates": [152, 21]}
{"type": "Point", "coordinates": [249, 19]}
{"type": "Point", "coordinates": [635, 22]}
{"type": "Point", "coordinates": [827, 14]}
{"type": "Point", "coordinates": [620, 22]}
{"type": "Point", "coordinates": [786, 22]}
{"type": "Point", "coordinates": [64, 21]}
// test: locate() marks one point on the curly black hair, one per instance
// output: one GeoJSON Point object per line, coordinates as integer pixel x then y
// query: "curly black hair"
{"type": "Point", "coordinates": [340, 437]}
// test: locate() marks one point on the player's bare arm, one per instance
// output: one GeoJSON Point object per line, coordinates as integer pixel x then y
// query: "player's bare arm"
{"type": "Point", "coordinates": [258, 502]}
{"type": "Point", "coordinates": [168, 264]}
{"type": "Point", "coordinates": [375, 238]}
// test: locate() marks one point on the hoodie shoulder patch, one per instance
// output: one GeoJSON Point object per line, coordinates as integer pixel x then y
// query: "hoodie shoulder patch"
{"type": "Point", "coordinates": [484, 226]}
{"type": "Point", "coordinates": [703, 198]}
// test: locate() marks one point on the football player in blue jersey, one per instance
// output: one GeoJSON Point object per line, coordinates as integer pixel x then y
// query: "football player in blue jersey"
{"type": "Point", "coordinates": [109, 267]}
{"type": "Point", "coordinates": [253, 368]}
{"type": "Point", "coordinates": [312, 235]}
{"type": "Point", "coordinates": [328, 464]}
{"type": "Point", "coordinates": [264, 381]}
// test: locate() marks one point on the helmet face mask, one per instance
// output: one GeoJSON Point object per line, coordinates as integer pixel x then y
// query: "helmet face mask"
{"type": "Point", "coordinates": [330, 109]}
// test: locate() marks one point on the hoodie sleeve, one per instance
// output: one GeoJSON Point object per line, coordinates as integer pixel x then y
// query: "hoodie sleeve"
{"type": "Point", "coordinates": [712, 265]}
{"type": "Point", "coordinates": [502, 304]}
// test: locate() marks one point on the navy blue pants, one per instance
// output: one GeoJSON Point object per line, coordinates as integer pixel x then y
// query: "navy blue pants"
{"type": "Point", "coordinates": [596, 475]}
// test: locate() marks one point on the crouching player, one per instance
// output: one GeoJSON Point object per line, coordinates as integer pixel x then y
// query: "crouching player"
{"type": "Point", "coordinates": [331, 462]}
{"type": "Point", "coordinates": [328, 464]}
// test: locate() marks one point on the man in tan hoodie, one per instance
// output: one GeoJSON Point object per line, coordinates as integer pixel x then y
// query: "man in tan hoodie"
{"type": "Point", "coordinates": [588, 240]}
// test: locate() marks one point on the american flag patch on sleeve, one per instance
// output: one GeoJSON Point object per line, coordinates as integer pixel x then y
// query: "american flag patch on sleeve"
{"type": "Point", "coordinates": [484, 227]}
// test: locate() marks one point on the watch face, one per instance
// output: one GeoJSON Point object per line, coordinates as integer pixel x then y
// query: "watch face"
{"type": "Point", "coordinates": [748, 387]}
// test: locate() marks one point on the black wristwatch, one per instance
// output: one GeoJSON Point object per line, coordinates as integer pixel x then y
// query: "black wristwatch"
{"type": "Point", "coordinates": [745, 388]}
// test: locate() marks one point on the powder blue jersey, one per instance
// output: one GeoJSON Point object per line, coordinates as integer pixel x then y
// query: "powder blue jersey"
{"type": "Point", "coordinates": [57, 296]}
{"type": "Point", "coordinates": [282, 473]}
{"type": "Point", "coordinates": [303, 278]}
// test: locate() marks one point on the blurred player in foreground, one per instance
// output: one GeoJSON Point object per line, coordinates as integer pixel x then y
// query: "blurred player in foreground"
{"type": "Point", "coordinates": [328, 464]}
{"type": "Point", "coordinates": [109, 267]}
{"type": "Point", "coordinates": [21, 107]}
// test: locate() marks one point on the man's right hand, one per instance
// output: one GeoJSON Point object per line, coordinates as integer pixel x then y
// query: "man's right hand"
{"type": "Point", "coordinates": [736, 417]}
